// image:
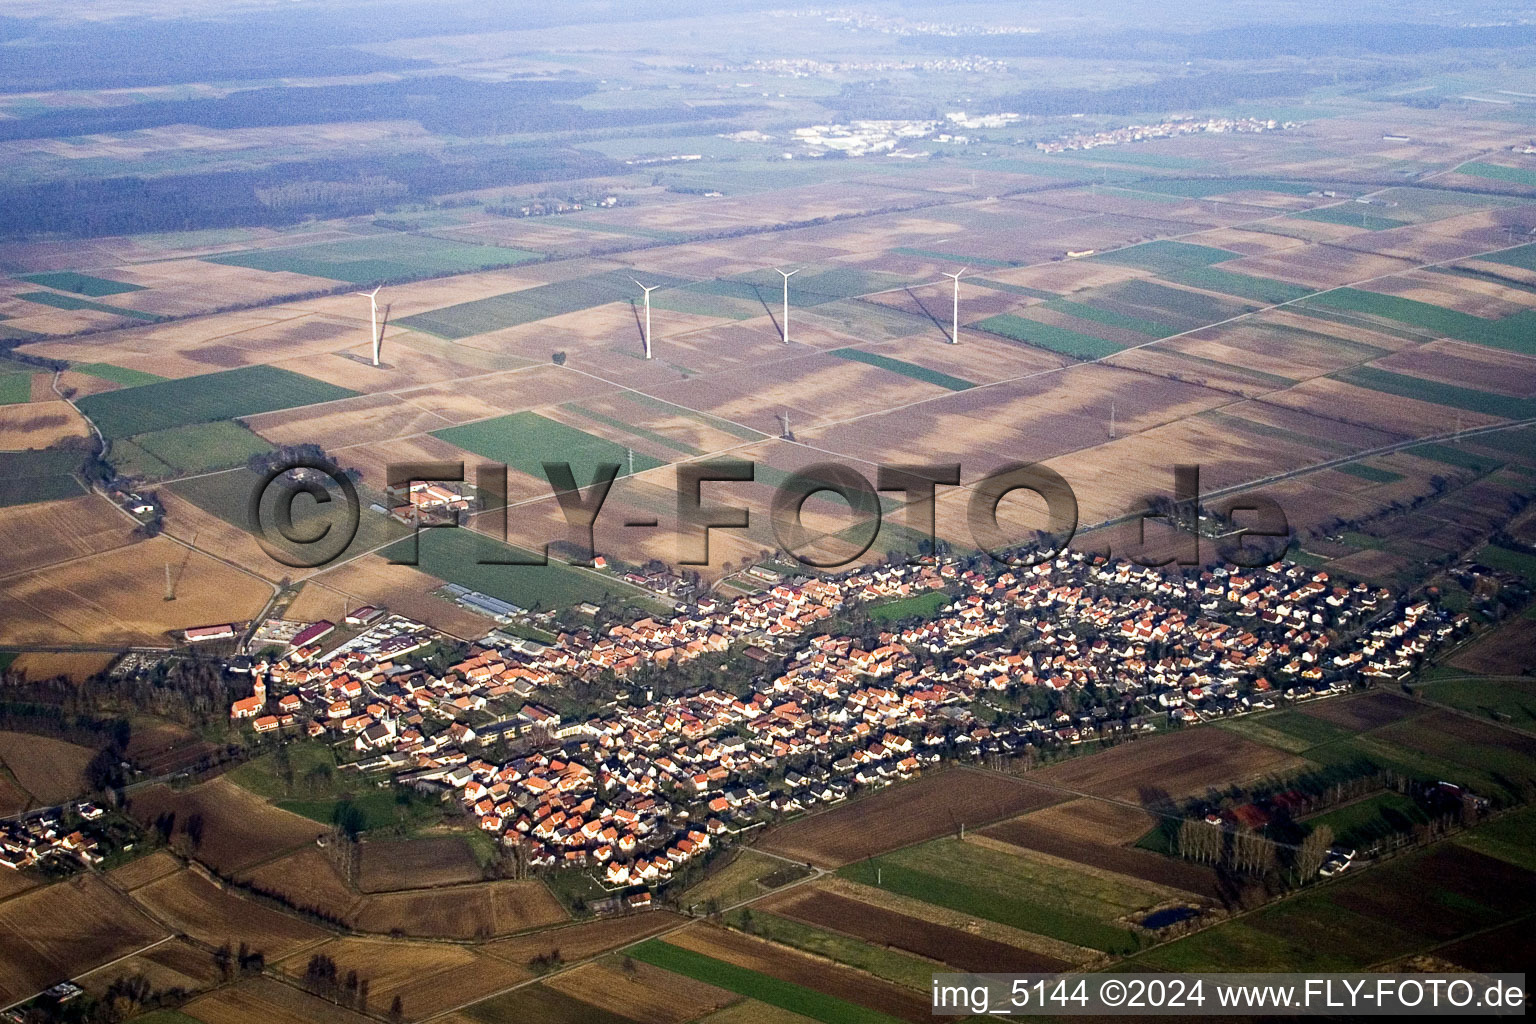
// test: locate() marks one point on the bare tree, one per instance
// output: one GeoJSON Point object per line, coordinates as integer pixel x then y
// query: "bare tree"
{"type": "Point", "coordinates": [1313, 851]}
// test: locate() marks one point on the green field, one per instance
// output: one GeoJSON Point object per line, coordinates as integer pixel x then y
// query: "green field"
{"type": "Point", "coordinates": [1200, 187]}
{"type": "Point", "coordinates": [1056, 339]}
{"type": "Point", "coordinates": [15, 387]}
{"type": "Point", "coordinates": [818, 287]}
{"type": "Point", "coordinates": [1357, 215]}
{"type": "Point", "coordinates": [1516, 332]}
{"type": "Point", "coordinates": [1409, 904]}
{"type": "Point", "coordinates": [80, 284]}
{"type": "Point", "coordinates": [1167, 257]}
{"type": "Point", "coordinates": [1498, 172]}
{"type": "Point", "coordinates": [196, 448]}
{"type": "Point", "coordinates": [1110, 318]}
{"type": "Point", "coordinates": [924, 606]}
{"type": "Point", "coordinates": [58, 301]}
{"type": "Point", "coordinates": [1175, 308]}
{"type": "Point", "coordinates": [1509, 560]}
{"type": "Point", "coordinates": [882, 962]}
{"type": "Point", "coordinates": [1245, 286]}
{"type": "Point", "coordinates": [1016, 891]}
{"type": "Point", "coordinates": [1290, 731]}
{"type": "Point", "coordinates": [468, 558]}
{"type": "Point", "coordinates": [1366, 822]}
{"type": "Point", "coordinates": [117, 374]}
{"type": "Point", "coordinates": [1456, 397]}
{"type": "Point", "coordinates": [954, 257]}
{"type": "Point", "coordinates": [379, 258]}
{"type": "Point", "coordinates": [39, 475]}
{"type": "Point", "coordinates": [1452, 455]}
{"type": "Point", "coordinates": [1511, 838]}
{"type": "Point", "coordinates": [510, 309]}
{"type": "Point", "coordinates": [904, 368]}
{"type": "Point", "coordinates": [1015, 289]}
{"type": "Point", "coordinates": [526, 440]}
{"type": "Point", "coordinates": [1523, 256]}
{"type": "Point", "coordinates": [1513, 700]}
{"type": "Point", "coordinates": [784, 994]}
{"type": "Point", "coordinates": [1374, 474]}
{"type": "Point", "coordinates": [202, 399]}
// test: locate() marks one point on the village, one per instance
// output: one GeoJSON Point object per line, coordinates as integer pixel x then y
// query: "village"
{"type": "Point", "coordinates": [1162, 130]}
{"type": "Point", "coordinates": [1009, 664]}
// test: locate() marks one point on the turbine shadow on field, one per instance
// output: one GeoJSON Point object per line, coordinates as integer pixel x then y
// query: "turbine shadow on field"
{"type": "Point", "coordinates": [943, 331]}
{"type": "Point", "coordinates": [634, 307]}
{"type": "Point", "coordinates": [768, 308]}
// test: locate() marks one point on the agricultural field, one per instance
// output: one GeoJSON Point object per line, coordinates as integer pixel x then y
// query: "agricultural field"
{"type": "Point", "coordinates": [1158, 769]}
{"type": "Point", "coordinates": [234, 829]}
{"type": "Point", "coordinates": [1411, 904]}
{"type": "Point", "coordinates": [781, 977]}
{"type": "Point", "coordinates": [426, 977]}
{"type": "Point", "coordinates": [483, 910]}
{"type": "Point", "coordinates": [42, 475]}
{"type": "Point", "coordinates": [269, 1000]}
{"type": "Point", "coordinates": [902, 815]}
{"type": "Point", "coordinates": [391, 864]}
{"type": "Point", "coordinates": [204, 399]}
{"type": "Point", "coordinates": [378, 258]}
{"type": "Point", "coordinates": [1014, 889]}
{"type": "Point", "coordinates": [525, 441]}
{"type": "Point", "coordinates": [197, 448]}
{"type": "Point", "coordinates": [51, 770]}
{"type": "Point", "coordinates": [119, 596]}
{"type": "Point", "coordinates": [66, 929]}
{"type": "Point", "coordinates": [1507, 700]}
{"type": "Point", "coordinates": [208, 914]}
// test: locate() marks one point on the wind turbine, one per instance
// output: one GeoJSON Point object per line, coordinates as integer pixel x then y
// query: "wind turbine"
{"type": "Point", "coordinates": [954, 336]}
{"type": "Point", "coordinates": [786, 278]}
{"type": "Point", "coordinates": [373, 318]}
{"type": "Point", "coordinates": [647, 313]}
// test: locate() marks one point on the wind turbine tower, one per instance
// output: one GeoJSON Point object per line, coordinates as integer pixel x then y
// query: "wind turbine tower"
{"type": "Point", "coordinates": [784, 419]}
{"type": "Point", "coordinates": [954, 330]}
{"type": "Point", "coordinates": [373, 318]}
{"type": "Point", "coordinates": [786, 278]}
{"type": "Point", "coordinates": [647, 313]}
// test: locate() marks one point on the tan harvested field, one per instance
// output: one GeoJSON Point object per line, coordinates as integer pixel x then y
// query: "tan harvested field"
{"type": "Point", "coordinates": [51, 770]}
{"type": "Point", "coordinates": [1368, 711]}
{"type": "Point", "coordinates": [1319, 266]}
{"type": "Point", "coordinates": [373, 460]}
{"type": "Point", "coordinates": [176, 964]}
{"type": "Point", "coordinates": [39, 424]}
{"type": "Point", "coordinates": [1157, 769]}
{"type": "Point", "coordinates": [76, 667]}
{"type": "Point", "coordinates": [643, 993]}
{"type": "Point", "coordinates": [63, 930]}
{"type": "Point", "coordinates": [400, 588]}
{"type": "Point", "coordinates": [305, 879]}
{"type": "Point", "coordinates": [118, 597]}
{"type": "Point", "coordinates": [879, 926]}
{"type": "Point", "coordinates": [401, 364]}
{"type": "Point", "coordinates": [902, 815]}
{"type": "Point", "coordinates": [14, 883]}
{"type": "Point", "coordinates": [1408, 416]}
{"type": "Point", "coordinates": [351, 421]}
{"type": "Point", "coordinates": [427, 977]}
{"type": "Point", "coordinates": [39, 535]}
{"type": "Point", "coordinates": [270, 1002]}
{"type": "Point", "coordinates": [191, 523]}
{"type": "Point", "coordinates": [582, 940]}
{"type": "Point", "coordinates": [390, 864]}
{"type": "Point", "coordinates": [144, 870]}
{"type": "Point", "coordinates": [238, 828]}
{"type": "Point", "coordinates": [801, 969]}
{"type": "Point", "coordinates": [478, 911]}
{"type": "Point", "coordinates": [1102, 821]}
{"type": "Point", "coordinates": [206, 913]}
